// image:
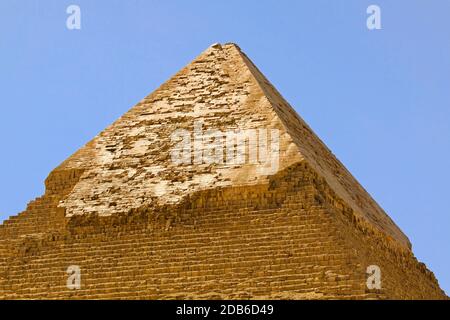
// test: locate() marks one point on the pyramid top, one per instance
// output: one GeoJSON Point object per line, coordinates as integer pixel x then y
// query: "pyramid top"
{"type": "Point", "coordinates": [216, 123]}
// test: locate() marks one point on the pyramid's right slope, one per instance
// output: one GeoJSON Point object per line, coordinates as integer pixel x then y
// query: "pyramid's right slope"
{"type": "Point", "coordinates": [141, 227]}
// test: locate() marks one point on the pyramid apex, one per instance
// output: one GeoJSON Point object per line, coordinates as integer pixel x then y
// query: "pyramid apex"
{"type": "Point", "coordinates": [218, 45]}
{"type": "Point", "coordinates": [232, 44]}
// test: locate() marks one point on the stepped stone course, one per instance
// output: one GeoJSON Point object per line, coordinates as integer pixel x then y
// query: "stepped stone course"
{"type": "Point", "coordinates": [140, 226]}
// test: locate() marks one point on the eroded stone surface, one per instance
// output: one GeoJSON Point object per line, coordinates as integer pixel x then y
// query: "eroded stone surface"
{"type": "Point", "coordinates": [128, 165]}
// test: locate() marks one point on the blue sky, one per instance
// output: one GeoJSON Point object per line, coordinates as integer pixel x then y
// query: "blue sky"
{"type": "Point", "coordinates": [379, 99]}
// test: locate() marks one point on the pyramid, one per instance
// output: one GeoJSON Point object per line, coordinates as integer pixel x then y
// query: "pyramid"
{"type": "Point", "coordinates": [211, 187]}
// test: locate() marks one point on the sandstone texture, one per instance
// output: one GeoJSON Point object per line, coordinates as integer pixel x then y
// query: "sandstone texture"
{"type": "Point", "coordinates": [140, 226]}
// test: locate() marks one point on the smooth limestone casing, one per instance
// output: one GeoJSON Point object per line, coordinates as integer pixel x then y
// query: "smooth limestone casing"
{"type": "Point", "coordinates": [141, 227]}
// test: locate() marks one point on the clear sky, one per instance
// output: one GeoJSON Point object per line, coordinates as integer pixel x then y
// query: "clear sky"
{"type": "Point", "coordinates": [380, 99]}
